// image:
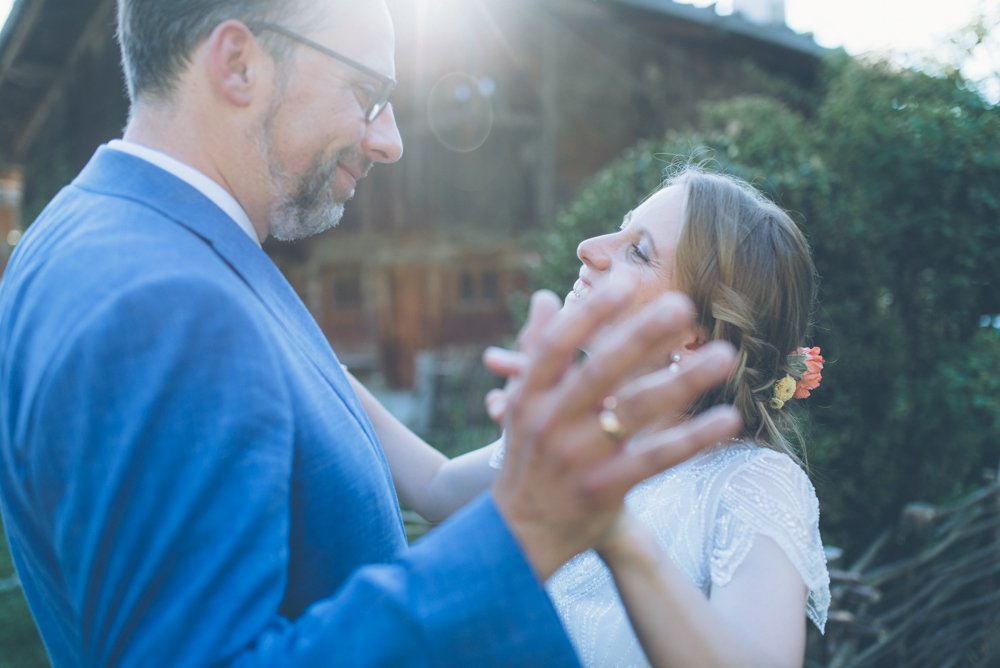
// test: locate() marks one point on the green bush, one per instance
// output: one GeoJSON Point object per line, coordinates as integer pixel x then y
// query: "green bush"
{"type": "Point", "coordinates": [20, 646]}
{"type": "Point", "coordinates": [894, 176]}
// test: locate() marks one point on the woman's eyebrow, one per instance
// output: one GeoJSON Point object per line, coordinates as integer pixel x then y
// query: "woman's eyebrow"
{"type": "Point", "coordinates": [625, 220]}
{"type": "Point", "coordinates": [644, 234]}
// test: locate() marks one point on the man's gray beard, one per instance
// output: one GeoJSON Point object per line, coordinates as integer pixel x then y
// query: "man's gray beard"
{"type": "Point", "coordinates": [305, 205]}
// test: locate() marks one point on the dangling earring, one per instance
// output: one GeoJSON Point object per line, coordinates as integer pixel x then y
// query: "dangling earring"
{"type": "Point", "coordinates": [675, 363]}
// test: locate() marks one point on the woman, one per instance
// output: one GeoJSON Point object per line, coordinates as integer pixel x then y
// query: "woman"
{"type": "Point", "coordinates": [718, 560]}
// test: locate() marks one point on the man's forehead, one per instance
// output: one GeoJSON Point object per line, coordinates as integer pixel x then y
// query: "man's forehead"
{"type": "Point", "coordinates": [362, 30]}
{"type": "Point", "coordinates": [371, 16]}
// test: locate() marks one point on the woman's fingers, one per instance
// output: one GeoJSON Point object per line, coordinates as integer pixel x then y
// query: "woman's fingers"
{"type": "Point", "coordinates": [567, 471]}
{"type": "Point", "coordinates": [543, 308]}
{"type": "Point", "coordinates": [496, 405]}
{"type": "Point", "coordinates": [503, 362]}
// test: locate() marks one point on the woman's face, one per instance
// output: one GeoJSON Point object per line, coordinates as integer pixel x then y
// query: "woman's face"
{"type": "Point", "coordinates": [642, 250]}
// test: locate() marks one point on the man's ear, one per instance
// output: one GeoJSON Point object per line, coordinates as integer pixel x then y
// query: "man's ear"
{"type": "Point", "coordinates": [234, 62]}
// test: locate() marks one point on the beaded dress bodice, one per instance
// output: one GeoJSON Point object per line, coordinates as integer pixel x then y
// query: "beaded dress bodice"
{"type": "Point", "coordinates": [705, 514]}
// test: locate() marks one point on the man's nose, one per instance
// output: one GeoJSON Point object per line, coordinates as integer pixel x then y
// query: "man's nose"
{"type": "Point", "coordinates": [382, 142]}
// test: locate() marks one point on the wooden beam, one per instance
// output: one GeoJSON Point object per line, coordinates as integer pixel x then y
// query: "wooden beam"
{"type": "Point", "coordinates": [546, 197]}
{"type": "Point", "coordinates": [25, 20]}
{"type": "Point", "coordinates": [32, 74]}
{"type": "Point", "coordinates": [96, 27]}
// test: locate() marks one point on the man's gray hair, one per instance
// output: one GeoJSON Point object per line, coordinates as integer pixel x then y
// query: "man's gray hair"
{"type": "Point", "coordinates": [157, 37]}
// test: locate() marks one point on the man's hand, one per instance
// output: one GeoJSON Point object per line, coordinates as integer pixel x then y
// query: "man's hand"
{"type": "Point", "coordinates": [564, 478]}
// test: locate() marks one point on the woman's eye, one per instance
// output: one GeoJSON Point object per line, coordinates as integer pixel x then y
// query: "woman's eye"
{"type": "Point", "coordinates": [638, 252]}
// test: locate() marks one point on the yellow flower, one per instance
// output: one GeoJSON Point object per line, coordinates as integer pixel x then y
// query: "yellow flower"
{"type": "Point", "coordinates": [784, 389]}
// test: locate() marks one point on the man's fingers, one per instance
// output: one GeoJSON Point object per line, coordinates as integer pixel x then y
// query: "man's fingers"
{"type": "Point", "coordinates": [650, 399]}
{"type": "Point", "coordinates": [659, 451]}
{"type": "Point", "coordinates": [629, 347]}
{"type": "Point", "coordinates": [553, 348]}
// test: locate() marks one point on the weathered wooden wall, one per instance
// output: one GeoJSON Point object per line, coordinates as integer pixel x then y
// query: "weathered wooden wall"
{"type": "Point", "coordinates": [505, 108]}
{"type": "Point", "coordinates": [563, 87]}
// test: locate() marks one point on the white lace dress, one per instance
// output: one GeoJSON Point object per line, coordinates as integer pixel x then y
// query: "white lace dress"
{"type": "Point", "coordinates": [705, 514]}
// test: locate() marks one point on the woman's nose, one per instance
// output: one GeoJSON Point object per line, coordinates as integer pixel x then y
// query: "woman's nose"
{"type": "Point", "coordinates": [596, 251]}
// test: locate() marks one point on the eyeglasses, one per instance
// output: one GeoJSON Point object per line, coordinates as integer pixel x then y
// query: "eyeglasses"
{"type": "Point", "coordinates": [376, 100]}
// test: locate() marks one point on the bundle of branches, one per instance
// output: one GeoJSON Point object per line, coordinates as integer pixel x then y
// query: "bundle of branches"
{"type": "Point", "coordinates": [925, 593]}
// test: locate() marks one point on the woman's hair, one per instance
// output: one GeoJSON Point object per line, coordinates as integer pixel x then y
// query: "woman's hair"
{"type": "Point", "coordinates": [747, 268]}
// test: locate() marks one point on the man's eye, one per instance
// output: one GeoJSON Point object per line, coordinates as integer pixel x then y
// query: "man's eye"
{"type": "Point", "coordinates": [366, 92]}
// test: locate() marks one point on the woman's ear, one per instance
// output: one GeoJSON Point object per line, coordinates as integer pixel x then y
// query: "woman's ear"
{"type": "Point", "coordinates": [233, 62]}
{"type": "Point", "coordinates": [696, 342]}
{"type": "Point", "coordinates": [677, 356]}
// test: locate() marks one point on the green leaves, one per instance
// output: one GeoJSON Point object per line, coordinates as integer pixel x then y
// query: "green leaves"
{"type": "Point", "coordinates": [20, 645]}
{"type": "Point", "coordinates": [894, 176]}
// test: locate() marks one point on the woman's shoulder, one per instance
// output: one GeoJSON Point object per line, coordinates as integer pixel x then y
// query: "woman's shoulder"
{"type": "Point", "coordinates": [757, 476]}
{"type": "Point", "coordinates": [732, 478]}
{"type": "Point", "coordinates": [767, 493]}
{"type": "Point", "coordinates": [714, 469]}
{"type": "Point", "coordinates": [746, 460]}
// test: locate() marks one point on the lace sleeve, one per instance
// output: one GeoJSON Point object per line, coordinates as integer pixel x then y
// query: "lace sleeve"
{"type": "Point", "coordinates": [771, 496]}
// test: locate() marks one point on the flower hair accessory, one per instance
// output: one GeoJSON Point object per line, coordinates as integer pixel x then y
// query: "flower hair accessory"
{"type": "Point", "coordinates": [805, 368]}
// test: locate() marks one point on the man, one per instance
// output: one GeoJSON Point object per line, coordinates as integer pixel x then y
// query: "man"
{"type": "Point", "coordinates": [187, 477]}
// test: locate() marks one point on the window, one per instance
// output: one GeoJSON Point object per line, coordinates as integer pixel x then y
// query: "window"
{"type": "Point", "coordinates": [347, 291]}
{"type": "Point", "coordinates": [489, 287]}
{"type": "Point", "coordinates": [478, 288]}
{"type": "Point", "coordinates": [467, 288]}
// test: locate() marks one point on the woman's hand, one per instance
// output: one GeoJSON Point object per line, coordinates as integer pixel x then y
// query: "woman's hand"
{"type": "Point", "coordinates": [505, 363]}
{"type": "Point", "coordinates": [627, 543]}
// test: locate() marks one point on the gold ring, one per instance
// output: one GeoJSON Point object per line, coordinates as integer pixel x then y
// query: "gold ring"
{"type": "Point", "coordinates": [610, 424]}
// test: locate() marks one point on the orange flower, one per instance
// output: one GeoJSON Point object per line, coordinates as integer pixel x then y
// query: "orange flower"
{"type": "Point", "coordinates": [812, 376]}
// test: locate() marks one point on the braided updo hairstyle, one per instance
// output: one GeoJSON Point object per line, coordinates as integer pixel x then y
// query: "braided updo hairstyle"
{"type": "Point", "coordinates": [747, 268]}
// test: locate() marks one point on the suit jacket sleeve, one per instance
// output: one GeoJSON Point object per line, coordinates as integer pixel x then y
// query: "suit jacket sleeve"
{"type": "Point", "coordinates": [172, 456]}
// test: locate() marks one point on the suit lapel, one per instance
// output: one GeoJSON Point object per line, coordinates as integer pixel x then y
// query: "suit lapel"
{"type": "Point", "coordinates": [119, 174]}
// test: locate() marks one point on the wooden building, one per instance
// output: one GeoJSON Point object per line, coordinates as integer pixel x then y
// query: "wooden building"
{"type": "Point", "coordinates": [10, 204]}
{"type": "Point", "coordinates": [505, 108]}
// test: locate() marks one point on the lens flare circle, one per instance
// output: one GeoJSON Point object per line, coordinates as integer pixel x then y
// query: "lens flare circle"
{"type": "Point", "coordinates": [460, 111]}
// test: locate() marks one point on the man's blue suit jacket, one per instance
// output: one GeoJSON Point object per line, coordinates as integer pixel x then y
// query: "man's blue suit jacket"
{"type": "Point", "coordinates": [188, 478]}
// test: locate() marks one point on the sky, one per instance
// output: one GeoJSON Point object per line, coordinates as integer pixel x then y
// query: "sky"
{"type": "Point", "coordinates": [905, 27]}
{"type": "Point", "coordinates": [908, 30]}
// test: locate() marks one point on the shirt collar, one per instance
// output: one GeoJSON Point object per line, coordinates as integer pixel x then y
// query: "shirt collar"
{"type": "Point", "coordinates": [206, 186]}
